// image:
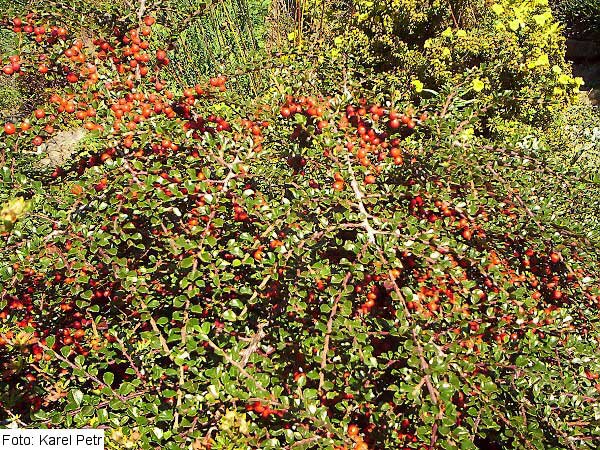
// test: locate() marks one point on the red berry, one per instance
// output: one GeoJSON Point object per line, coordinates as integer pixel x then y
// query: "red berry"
{"type": "Point", "coordinates": [9, 128]}
{"type": "Point", "coordinates": [369, 179]}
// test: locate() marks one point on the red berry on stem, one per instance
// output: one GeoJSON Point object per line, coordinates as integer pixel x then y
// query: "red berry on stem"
{"type": "Point", "coordinates": [9, 128]}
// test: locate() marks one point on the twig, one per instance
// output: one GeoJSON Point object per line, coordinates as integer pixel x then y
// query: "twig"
{"type": "Point", "coordinates": [89, 375]}
{"type": "Point", "coordinates": [13, 417]}
{"type": "Point", "coordinates": [361, 207]}
{"type": "Point", "coordinates": [186, 317]}
{"type": "Point", "coordinates": [510, 425]}
{"type": "Point", "coordinates": [305, 441]}
{"type": "Point", "coordinates": [254, 343]}
{"type": "Point", "coordinates": [433, 393]}
{"type": "Point", "coordinates": [332, 314]}
{"type": "Point", "coordinates": [137, 371]}
{"type": "Point", "coordinates": [154, 326]}
{"type": "Point", "coordinates": [141, 10]}
{"type": "Point", "coordinates": [237, 365]}
{"type": "Point", "coordinates": [104, 403]}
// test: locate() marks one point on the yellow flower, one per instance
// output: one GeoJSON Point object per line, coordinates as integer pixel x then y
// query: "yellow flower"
{"type": "Point", "coordinates": [418, 85]}
{"type": "Point", "coordinates": [478, 85]}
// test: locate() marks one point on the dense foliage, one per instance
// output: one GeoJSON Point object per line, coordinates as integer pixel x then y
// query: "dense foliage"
{"type": "Point", "coordinates": [308, 267]}
{"type": "Point", "coordinates": [581, 17]}
{"type": "Point", "coordinates": [514, 47]}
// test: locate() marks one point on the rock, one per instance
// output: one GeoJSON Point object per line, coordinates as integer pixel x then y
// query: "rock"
{"type": "Point", "coordinates": [59, 149]}
{"type": "Point", "coordinates": [594, 97]}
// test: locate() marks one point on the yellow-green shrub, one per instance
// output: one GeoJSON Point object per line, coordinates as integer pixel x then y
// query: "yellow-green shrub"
{"type": "Point", "coordinates": [513, 49]}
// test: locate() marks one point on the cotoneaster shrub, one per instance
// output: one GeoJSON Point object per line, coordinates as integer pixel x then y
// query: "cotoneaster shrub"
{"type": "Point", "coordinates": [290, 271]}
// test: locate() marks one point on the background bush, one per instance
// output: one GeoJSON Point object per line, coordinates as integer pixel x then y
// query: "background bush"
{"type": "Point", "coordinates": [580, 17]}
{"type": "Point", "coordinates": [514, 48]}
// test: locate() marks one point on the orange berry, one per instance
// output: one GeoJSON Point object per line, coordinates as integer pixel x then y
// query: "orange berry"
{"type": "Point", "coordinates": [9, 128]}
{"type": "Point", "coordinates": [338, 185]}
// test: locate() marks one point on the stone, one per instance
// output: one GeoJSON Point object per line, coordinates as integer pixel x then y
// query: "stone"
{"type": "Point", "coordinates": [59, 149]}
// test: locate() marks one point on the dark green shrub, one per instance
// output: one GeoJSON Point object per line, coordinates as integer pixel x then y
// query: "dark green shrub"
{"type": "Point", "coordinates": [581, 18]}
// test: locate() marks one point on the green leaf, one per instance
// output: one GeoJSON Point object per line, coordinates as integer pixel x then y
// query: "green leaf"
{"type": "Point", "coordinates": [77, 396]}
{"type": "Point", "coordinates": [158, 433]}
{"type": "Point", "coordinates": [229, 316]}
{"type": "Point", "coordinates": [108, 378]}
{"type": "Point", "coordinates": [187, 262]}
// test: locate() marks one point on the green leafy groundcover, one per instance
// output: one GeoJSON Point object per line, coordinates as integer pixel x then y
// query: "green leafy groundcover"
{"type": "Point", "coordinates": [303, 272]}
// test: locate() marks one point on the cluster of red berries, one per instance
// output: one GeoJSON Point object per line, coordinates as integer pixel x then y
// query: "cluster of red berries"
{"type": "Point", "coordinates": [264, 411]}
